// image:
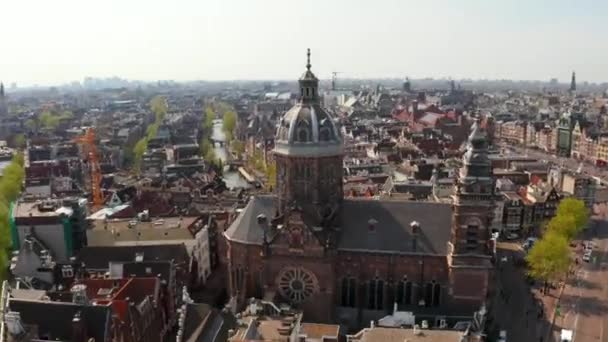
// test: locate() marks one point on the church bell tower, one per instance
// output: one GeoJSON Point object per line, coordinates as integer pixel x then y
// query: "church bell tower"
{"type": "Point", "coordinates": [474, 199]}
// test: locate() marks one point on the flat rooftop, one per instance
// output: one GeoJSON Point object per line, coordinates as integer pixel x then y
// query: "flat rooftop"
{"type": "Point", "coordinates": [41, 208]}
{"type": "Point", "coordinates": [154, 223]}
{"type": "Point", "coordinates": [404, 334]}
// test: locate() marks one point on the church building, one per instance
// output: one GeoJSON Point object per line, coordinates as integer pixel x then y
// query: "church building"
{"type": "Point", "coordinates": [349, 261]}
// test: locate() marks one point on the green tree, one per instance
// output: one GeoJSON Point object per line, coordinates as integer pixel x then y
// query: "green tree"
{"type": "Point", "coordinates": [152, 131]}
{"type": "Point", "coordinates": [271, 176]}
{"type": "Point", "coordinates": [238, 147]}
{"type": "Point", "coordinates": [209, 116]}
{"type": "Point", "coordinates": [31, 124]}
{"type": "Point", "coordinates": [19, 141]}
{"type": "Point", "coordinates": [138, 152]}
{"type": "Point", "coordinates": [10, 187]}
{"type": "Point", "coordinates": [48, 120]}
{"type": "Point", "coordinates": [66, 115]}
{"type": "Point", "coordinates": [564, 226]}
{"type": "Point", "coordinates": [229, 122]}
{"type": "Point", "coordinates": [159, 106]}
{"type": "Point", "coordinates": [549, 258]}
{"type": "Point", "coordinates": [205, 146]}
{"type": "Point", "coordinates": [575, 208]}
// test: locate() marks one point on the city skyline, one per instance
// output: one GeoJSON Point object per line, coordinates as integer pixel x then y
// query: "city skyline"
{"type": "Point", "coordinates": [240, 40]}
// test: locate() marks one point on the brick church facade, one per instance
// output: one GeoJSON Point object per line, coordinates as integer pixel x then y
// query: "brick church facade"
{"type": "Point", "coordinates": [350, 261]}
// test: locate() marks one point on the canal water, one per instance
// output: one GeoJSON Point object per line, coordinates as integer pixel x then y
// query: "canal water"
{"type": "Point", "coordinates": [232, 178]}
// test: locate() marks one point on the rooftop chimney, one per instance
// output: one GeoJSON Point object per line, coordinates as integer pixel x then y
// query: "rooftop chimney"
{"type": "Point", "coordinates": [79, 294]}
{"type": "Point", "coordinates": [79, 329]}
{"type": "Point", "coordinates": [415, 226]}
{"type": "Point", "coordinates": [372, 224]}
{"type": "Point", "coordinates": [261, 219]}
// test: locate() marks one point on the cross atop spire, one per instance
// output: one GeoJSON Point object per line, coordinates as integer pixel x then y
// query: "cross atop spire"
{"type": "Point", "coordinates": [308, 59]}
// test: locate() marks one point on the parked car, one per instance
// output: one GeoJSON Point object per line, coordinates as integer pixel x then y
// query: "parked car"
{"type": "Point", "coordinates": [512, 236]}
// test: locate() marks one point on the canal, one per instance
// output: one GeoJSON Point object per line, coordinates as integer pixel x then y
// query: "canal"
{"type": "Point", "coordinates": [232, 178]}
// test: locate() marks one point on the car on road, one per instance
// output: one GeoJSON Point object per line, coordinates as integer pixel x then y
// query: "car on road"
{"type": "Point", "coordinates": [566, 335]}
{"type": "Point", "coordinates": [529, 243]}
{"type": "Point", "coordinates": [512, 236]}
{"type": "Point", "coordinates": [587, 256]}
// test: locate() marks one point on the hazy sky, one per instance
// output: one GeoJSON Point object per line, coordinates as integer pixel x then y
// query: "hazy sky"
{"type": "Point", "coordinates": [47, 42]}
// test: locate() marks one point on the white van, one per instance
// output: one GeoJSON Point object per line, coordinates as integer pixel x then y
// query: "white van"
{"type": "Point", "coordinates": [566, 335]}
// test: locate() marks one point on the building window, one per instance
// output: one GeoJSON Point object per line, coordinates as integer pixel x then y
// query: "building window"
{"type": "Point", "coordinates": [297, 284]}
{"type": "Point", "coordinates": [67, 272]}
{"type": "Point", "coordinates": [404, 292]}
{"type": "Point", "coordinates": [324, 134]}
{"type": "Point", "coordinates": [239, 278]}
{"type": "Point", "coordinates": [375, 294]}
{"type": "Point", "coordinates": [303, 134]}
{"type": "Point", "coordinates": [436, 294]}
{"type": "Point", "coordinates": [348, 292]}
{"type": "Point", "coordinates": [472, 235]}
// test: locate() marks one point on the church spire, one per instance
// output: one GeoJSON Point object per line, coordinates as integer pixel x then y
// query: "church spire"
{"type": "Point", "coordinates": [573, 82]}
{"type": "Point", "coordinates": [309, 83]}
{"type": "Point", "coordinates": [308, 59]}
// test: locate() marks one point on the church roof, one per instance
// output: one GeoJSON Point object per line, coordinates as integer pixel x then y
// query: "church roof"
{"type": "Point", "coordinates": [391, 234]}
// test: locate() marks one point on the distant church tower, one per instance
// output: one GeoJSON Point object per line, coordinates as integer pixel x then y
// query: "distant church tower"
{"type": "Point", "coordinates": [3, 105]}
{"type": "Point", "coordinates": [308, 153]}
{"type": "Point", "coordinates": [573, 82]}
{"type": "Point", "coordinates": [407, 85]}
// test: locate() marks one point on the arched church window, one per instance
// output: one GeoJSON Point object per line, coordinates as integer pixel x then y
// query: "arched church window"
{"type": "Point", "coordinates": [404, 292]}
{"type": "Point", "coordinates": [297, 284]}
{"type": "Point", "coordinates": [375, 294]}
{"type": "Point", "coordinates": [324, 134]}
{"type": "Point", "coordinates": [428, 294]}
{"type": "Point", "coordinates": [303, 134]}
{"type": "Point", "coordinates": [472, 233]}
{"type": "Point", "coordinates": [436, 294]}
{"type": "Point", "coordinates": [348, 292]}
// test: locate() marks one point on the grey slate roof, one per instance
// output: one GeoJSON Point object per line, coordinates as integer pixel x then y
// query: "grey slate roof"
{"type": "Point", "coordinates": [392, 231]}
{"type": "Point", "coordinates": [245, 229]}
{"type": "Point", "coordinates": [54, 318]}
{"type": "Point", "coordinates": [99, 257]}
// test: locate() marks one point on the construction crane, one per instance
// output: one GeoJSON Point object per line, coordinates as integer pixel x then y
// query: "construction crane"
{"type": "Point", "coordinates": [87, 141]}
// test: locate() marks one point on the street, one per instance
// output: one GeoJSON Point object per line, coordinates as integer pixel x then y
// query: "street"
{"type": "Point", "coordinates": [520, 306]}
{"type": "Point", "coordinates": [584, 302]}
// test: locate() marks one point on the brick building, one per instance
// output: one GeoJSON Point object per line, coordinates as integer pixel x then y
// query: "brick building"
{"type": "Point", "coordinates": [349, 260]}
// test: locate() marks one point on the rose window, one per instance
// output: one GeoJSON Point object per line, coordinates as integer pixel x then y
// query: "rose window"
{"type": "Point", "coordinates": [297, 284]}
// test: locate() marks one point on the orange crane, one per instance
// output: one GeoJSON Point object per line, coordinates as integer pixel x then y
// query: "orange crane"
{"type": "Point", "coordinates": [87, 141]}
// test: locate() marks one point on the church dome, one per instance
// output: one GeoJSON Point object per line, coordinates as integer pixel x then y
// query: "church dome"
{"type": "Point", "coordinates": [306, 124]}
{"type": "Point", "coordinates": [307, 129]}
